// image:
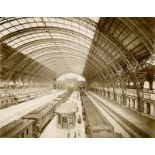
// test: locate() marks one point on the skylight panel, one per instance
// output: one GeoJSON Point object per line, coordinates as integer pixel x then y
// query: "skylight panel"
{"type": "Point", "coordinates": [54, 24]}
{"type": "Point", "coordinates": [58, 20]}
{"type": "Point", "coordinates": [1, 27]}
{"type": "Point", "coordinates": [14, 22]}
{"type": "Point", "coordinates": [26, 25]}
{"type": "Point", "coordinates": [5, 32]}
{"type": "Point", "coordinates": [48, 24]}
{"type": "Point", "coordinates": [33, 24]}
{"type": "Point", "coordinates": [51, 19]}
{"type": "Point", "coordinates": [22, 21]}
{"type": "Point", "coordinates": [31, 20]}
{"type": "Point", "coordinates": [19, 27]}
{"type": "Point", "coordinates": [7, 25]}
{"type": "Point", "coordinates": [79, 37]}
{"type": "Point", "coordinates": [37, 19]}
{"type": "Point", "coordinates": [12, 29]}
{"type": "Point", "coordinates": [40, 24]}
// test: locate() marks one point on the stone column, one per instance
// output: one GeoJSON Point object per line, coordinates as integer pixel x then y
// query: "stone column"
{"type": "Point", "coordinates": [145, 108]}
{"type": "Point", "coordinates": [128, 102]}
{"type": "Point", "coordinates": [152, 110]}
{"type": "Point", "coordinates": [1, 69]}
{"type": "Point", "coordinates": [136, 104]}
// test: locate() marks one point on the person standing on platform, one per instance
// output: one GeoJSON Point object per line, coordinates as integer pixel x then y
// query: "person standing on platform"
{"type": "Point", "coordinates": [68, 135]}
{"type": "Point", "coordinates": [75, 134]}
{"type": "Point", "coordinates": [79, 133]}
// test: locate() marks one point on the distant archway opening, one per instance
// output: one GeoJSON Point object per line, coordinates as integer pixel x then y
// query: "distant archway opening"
{"type": "Point", "coordinates": [71, 76]}
{"type": "Point", "coordinates": [71, 81]}
{"type": "Point", "coordinates": [146, 85]}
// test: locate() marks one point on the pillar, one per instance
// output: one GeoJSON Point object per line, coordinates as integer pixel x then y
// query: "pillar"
{"type": "Point", "coordinates": [145, 108]}
{"type": "Point", "coordinates": [136, 104]}
{"type": "Point", "coordinates": [1, 59]}
{"type": "Point", "coordinates": [131, 103]}
{"type": "Point", "coordinates": [128, 103]}
{"type": "Point", "coordinates": [152, 110]}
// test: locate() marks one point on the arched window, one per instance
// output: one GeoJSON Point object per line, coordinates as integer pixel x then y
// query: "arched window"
{"type": "Point", "coordinates": [131, 84]}
{"type": "Point", "coordinates": [146, 85]}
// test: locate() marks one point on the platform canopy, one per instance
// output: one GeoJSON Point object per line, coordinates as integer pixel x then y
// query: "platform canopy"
{"type": "Point", "coordinates": [102, 48]}
{"type": "Point", "coordinates": [67, 108]}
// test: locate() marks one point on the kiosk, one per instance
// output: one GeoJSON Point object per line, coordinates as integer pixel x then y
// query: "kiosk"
{"type": "Point", "coordinates": [67, 115]}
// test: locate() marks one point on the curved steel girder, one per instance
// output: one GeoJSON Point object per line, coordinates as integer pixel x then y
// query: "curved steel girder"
{"type": "Point", "coordinates": [71, 61]}
{"type": "Point", "coordinates": [48, 78]}
{"type": "Point", "coordinates": [108, 40]}
{"type": "Point", "coordinates": [120, 48]}
{"type": "Point", "coordinates": [87, 23]}
{"type": "Point", "coordinates": [38, 50]}
{"type": "Point", "coordinates": [94, 64]}
{"type": "Point", "coordinates": [60, 69]}
{"type": "Point", "coordinates": [71, 57]}
{"type": "Point", "coordinates": [43, 29]}
{"type": "Point", "coordinates": [104, 34]}
{"type": "Point", "coordinates": [43, 41]}
{"type": "Point", "coordinates": [138, 28]}
{"type": "Point", "coordinates": [23, 61]}
{"type": "Point", "coordinates": [114, 66]}
{"type": "Point", "coordinates": [37, 42]}
{"type": "Point", "coordinates": [79, 62]}
{"type": "Point", "coordinates": [64, 47]}
{"type": "Point", "coordinates": [60, 43]}
{"type": "Point", "coordinates": [14, 68]}
{"type": "Point", "coordinates": [76, 40]}
{"type": "Point", "coordinates": [35, 51]}
{"type": "Point", "coordinates": [33, 66]}
{"type": "Point", "coordinates": [41, 76]}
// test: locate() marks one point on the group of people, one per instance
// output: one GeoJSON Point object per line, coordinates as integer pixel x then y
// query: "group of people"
{"type": "Point", "coordinates": [79, 121]}
{"type": "Point", "coordinates": [74, 135]}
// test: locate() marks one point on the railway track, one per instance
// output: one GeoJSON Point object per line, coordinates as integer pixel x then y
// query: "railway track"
{"type": "Point", "coordinates": [129, 127]}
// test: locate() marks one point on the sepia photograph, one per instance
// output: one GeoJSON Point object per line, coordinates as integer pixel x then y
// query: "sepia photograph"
{"type": "Point", "coordinates": [77, 77]}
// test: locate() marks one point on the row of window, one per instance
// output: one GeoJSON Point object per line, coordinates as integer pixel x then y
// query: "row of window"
{"type": "Point", "coordinates": [147, 85]}
{"type": "Point", "coordinates": [23, 133]}
{"type": "Point", "coordinates": [6, 101]}
{"type": "Point", "coordinates": [47, 114]}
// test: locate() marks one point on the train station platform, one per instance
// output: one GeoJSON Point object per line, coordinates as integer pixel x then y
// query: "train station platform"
{"type": "Point", "coordinates": [78, 131]}
{"type": "Point", "coordinates": [140, 121]}
{"type": "Point", "coordinates": [14, 112]}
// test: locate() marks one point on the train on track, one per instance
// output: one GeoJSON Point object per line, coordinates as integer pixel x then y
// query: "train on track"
{"type": "Point", "coordinates": [96, 124]}
{"type": "Point", "coordinates": [7, 101]}
{"type": "Point", "coordinates": [32, 124]}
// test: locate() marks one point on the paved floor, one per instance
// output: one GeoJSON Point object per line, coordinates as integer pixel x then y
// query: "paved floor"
{"type": "Point", "coordinates": [15, 112]}
{"type": "Point", "coordinates": [52, 131]}
{"type": "Point", "coordinates": [144, 123]}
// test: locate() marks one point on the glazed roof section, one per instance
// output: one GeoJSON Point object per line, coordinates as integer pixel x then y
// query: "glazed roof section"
{"type": "Point", "coordinates": [79, 38]}
{"type": "Point", "coordinates": [93, 47]}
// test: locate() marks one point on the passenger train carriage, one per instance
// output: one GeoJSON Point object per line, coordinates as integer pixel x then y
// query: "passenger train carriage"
{"type": "Point", "coordinates": [97, 126]}
{"type": "Point", "coordinates": [32, 124]}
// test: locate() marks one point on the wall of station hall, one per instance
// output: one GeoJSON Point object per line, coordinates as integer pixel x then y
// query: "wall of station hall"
{"type": "Point", "coordinates": [141, 100]}
{"type": "Point", "coordinates": [17, 84]}
{"type": "Point", "coordinates": [70, 83]}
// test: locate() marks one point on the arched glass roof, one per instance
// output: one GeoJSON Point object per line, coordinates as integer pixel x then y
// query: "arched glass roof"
{"type": "Point", "coordinates": [92, 46]}
{"type": "Point", "coordinates": [80, 32]}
